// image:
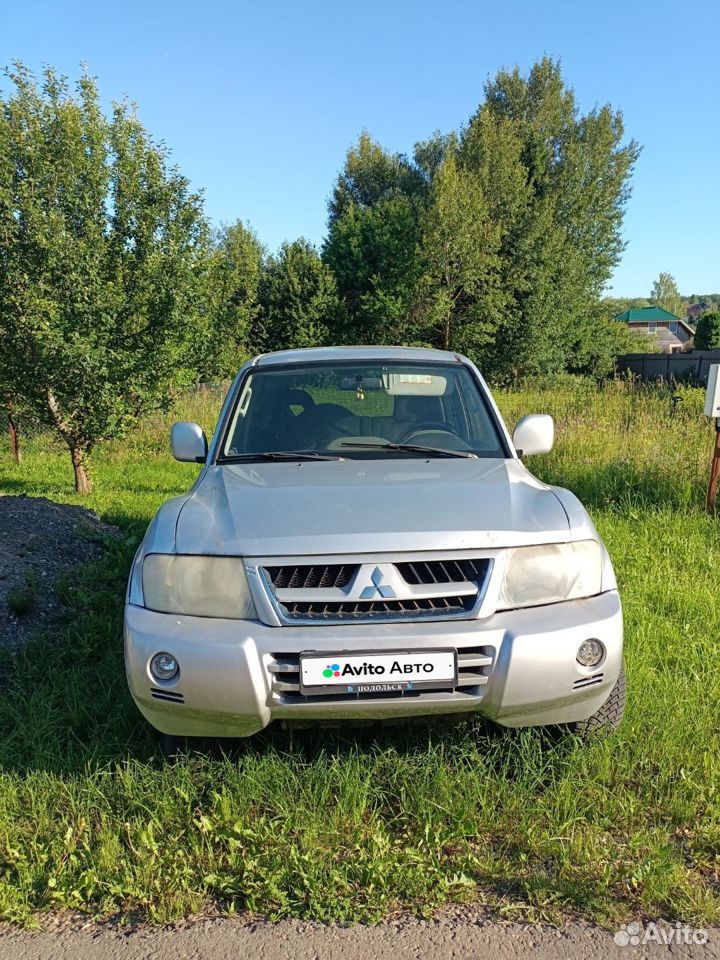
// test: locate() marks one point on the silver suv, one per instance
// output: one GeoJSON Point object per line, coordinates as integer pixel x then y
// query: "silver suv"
{"type": "Point", "coordinates": [364, 542]}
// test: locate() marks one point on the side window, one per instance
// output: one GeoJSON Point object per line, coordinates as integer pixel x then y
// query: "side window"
{"type": "Point", "coordinates": [652, 326]}
{"type": "Point", "coordinates": [673, 326]}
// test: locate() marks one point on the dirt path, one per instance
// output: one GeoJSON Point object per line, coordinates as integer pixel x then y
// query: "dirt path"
{"type": "Point", "coordinates": [40, 542]}
{"type": "Point", "coordinates": [457, 934]}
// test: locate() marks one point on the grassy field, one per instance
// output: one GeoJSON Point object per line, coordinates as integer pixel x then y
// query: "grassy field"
{"type": "Point", "coordinates": [355, 825]}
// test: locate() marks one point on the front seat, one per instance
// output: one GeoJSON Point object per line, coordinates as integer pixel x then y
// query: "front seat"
{"type": "Point", "coordinates": [411, 410]}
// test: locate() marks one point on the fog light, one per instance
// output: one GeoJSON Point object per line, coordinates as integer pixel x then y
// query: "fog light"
{"type": "Point", "coordinates": [590, 653]}
{"type": "Point", "coordinates": [164, 666]}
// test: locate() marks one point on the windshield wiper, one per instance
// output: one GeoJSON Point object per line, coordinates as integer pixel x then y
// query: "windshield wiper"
{"type": "Point", "coordinates": [412, 448]}
{"type": "Point", "coordinates": [276, 455]}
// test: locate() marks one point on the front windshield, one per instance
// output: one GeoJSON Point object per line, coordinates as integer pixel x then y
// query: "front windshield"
{"type": "Point", "coordinates": [361, 410]}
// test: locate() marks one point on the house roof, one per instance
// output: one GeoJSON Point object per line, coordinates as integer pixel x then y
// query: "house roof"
{"type": "Point", "coordinates": [643, 314]}
{"type": "Point", "coordinates": [652, 315]}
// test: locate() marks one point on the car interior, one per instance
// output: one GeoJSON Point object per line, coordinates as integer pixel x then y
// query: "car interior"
{"type": "Point", "coordinates": [283, 414]}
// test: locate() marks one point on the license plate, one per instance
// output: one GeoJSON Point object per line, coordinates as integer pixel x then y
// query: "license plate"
{"type": "Point", "coordinates": [373, 672]}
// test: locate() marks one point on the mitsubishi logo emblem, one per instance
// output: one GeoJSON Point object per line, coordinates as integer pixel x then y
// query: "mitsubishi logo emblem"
{"type": "Point", "coordinates": [376, 589]}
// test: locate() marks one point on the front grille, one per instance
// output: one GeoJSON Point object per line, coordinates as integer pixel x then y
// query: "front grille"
{"type": "Point", "coordinates": [442, 571]}
{"type": "Point", "coordinates": [428, 606]}
{"type": "Point", "coordinates": [474, 669]}
{"type": "Point", "coordinates": [313, 577]}
{"type": "Point", "coordinates": [436, 588]}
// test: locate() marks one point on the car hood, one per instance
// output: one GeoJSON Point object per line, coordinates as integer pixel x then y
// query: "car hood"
{"type": "Point", "coordinates": [354, 506]}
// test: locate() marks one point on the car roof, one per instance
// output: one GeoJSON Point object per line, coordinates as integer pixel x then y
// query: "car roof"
{"type": "Point", "coordinates": [337, 354]}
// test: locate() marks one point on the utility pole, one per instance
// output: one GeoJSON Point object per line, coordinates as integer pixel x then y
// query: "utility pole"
{"type": "Point", "coordinates": [714, 470]}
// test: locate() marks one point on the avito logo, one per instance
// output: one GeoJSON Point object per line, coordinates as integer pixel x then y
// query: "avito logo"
{"type": "Point", "coordinates": [372, 669]}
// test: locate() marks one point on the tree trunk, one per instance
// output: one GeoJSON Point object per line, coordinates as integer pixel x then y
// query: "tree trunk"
{"type": "Point", "coordinates": [83, 483]}
{"type": "Point", "coordinates": [14, 438]}
{"type": "Point", "coordinates": [78, 451]}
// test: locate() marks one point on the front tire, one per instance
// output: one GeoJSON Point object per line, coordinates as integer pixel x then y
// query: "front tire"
{"type": "Point", "coordinates": [171, 747]}
{"type": "Point", "coordinates": [607, 718]}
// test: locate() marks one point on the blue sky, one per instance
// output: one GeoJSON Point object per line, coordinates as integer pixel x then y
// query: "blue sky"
{"type": "Point", "coordinates": [259, 101]}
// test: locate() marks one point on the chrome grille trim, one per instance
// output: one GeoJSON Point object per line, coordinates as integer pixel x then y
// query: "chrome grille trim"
{"type": "Point", "coordinates": [321, 611]}
{"type": "Point", "coordinates": [386, 590]}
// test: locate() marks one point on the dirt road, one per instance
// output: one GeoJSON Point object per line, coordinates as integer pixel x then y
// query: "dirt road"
{"type": "Point", "coordinates": [457, 934]}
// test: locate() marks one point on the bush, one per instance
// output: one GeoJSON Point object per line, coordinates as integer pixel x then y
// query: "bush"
{"type": "Point", "coordinates": [707, 336]}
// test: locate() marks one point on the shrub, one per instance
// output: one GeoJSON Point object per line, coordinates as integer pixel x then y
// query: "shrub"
{"type": "Point", "coordinates": [707, 336]}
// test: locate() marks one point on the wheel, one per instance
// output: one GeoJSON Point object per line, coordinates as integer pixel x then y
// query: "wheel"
{"type": "Point", "coordinates": [426, 426]}
{"type": "Point", "coordinates": [608, 717]}
{"type": "Point", "coordinates": [171, 746]}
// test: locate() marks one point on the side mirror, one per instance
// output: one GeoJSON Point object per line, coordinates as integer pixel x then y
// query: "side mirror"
{"type": "Point", "coordinates": [534, 434]}
{"type": "Point", "coordinates": [189, 444]}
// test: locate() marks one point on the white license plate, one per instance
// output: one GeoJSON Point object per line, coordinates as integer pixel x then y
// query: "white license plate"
{"type": "Point", "coordinates": [369, 671]}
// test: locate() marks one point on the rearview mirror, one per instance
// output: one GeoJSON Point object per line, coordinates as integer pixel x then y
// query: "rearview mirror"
{"type": "Point", "coordinates": [189, 444]}
{"type": "Point", "coordinates": [366, 383]}
{"type": "Point", "coordinates": [534, 434]}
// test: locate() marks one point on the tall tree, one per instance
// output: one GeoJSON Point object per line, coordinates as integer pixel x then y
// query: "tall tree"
{"type": "Point", "coordinates": [557, 182]}
{"type": "Point", "coordinates": [665, 294]}
{"type": "Point", "coordinates": [98, 242]}
{"type": "Point", "coordinates": [536, 192]}
{"type": "Point", "coordinates": [370, 176]}
{"type": "Point", "coordinates": [299, 298]}
{"type": "Point", "coordinates": [229, 293]}
{"type": "Point", "coordinates": [459, 300]}
{"type": "Point", "coordinates": [372, 243]}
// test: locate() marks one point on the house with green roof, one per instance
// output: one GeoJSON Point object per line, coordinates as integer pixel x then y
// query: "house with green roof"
{"type": "Point", "coordinates": [670, 332]}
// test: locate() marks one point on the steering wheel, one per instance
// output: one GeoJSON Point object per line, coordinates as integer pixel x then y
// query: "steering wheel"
{"type": "Point", "coordinates": [425, 426]}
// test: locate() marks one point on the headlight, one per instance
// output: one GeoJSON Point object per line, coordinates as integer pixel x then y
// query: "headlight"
{"type": "Point", "coordinates": [548, 574]}
{"type": "Point", "coordinates": [197, 586]}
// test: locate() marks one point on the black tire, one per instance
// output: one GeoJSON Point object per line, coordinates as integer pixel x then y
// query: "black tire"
{"type": "Point", "coordinates": [171, 746]}
{"type": "Point", "coordinates": [607, 718]}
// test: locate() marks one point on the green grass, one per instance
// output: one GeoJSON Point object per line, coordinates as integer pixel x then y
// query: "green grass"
{"type": "Point", "coordinates": [347, 825]}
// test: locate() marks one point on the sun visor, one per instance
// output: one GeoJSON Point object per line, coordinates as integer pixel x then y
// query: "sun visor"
{"type": "Point", "coordinates": [415, 384]}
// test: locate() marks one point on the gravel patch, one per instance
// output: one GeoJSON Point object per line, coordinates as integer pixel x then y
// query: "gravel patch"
{"type": "Point", "coordinates": [459, 933]}
{"type": "Point", "coordinates": [40, 541]}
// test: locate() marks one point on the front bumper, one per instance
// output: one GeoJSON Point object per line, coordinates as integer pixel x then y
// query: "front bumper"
{"type": "Point", "coordinates": [229, 686]}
